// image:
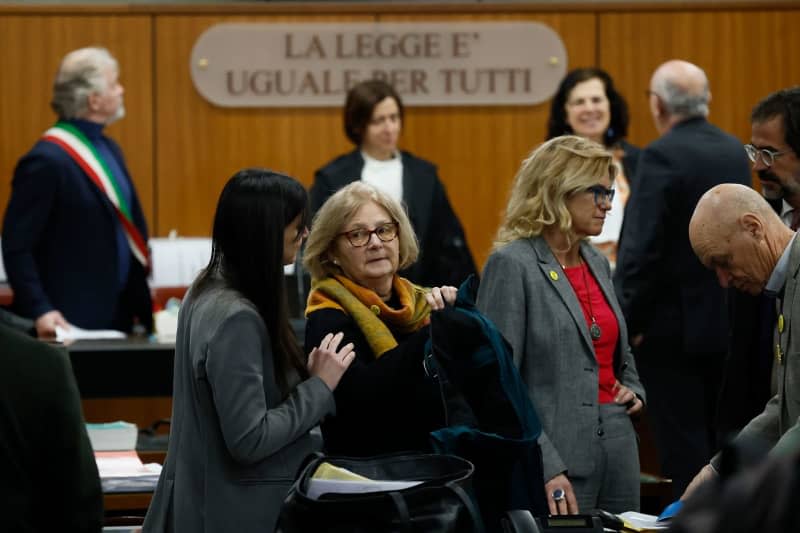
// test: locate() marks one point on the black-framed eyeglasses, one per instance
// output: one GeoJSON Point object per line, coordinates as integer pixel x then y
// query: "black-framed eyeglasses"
{"type": "Point", "coordinates": [360, 236]}
{"type": "Point", "coordinates": [601, 194]}
{"type": "Point", "coordinates": [768, 157]}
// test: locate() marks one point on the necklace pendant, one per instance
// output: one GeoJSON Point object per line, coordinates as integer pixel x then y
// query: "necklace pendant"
{"type": "Point", "coordinates": [594, 331]}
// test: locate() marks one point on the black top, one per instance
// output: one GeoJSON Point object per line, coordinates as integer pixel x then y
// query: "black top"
{"type": "Point", "coordinates": [383, 405]}
{"type": "Point", "coordinates": [48, 475]}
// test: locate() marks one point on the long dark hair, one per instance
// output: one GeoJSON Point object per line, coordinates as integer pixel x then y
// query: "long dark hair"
{"type": "Point", "coordinates": [618, 125]}
{"type": "Point", "coordinates": [254, 209]}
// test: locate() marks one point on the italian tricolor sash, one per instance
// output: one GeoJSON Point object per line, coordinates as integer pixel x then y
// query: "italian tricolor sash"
{"type": "Point", "coordinates": [83, 152]}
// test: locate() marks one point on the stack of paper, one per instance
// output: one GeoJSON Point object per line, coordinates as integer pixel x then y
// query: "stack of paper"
{"type": "Point", "coordinates": [634, 521]}
{"type": "Point", "coordinates": [124, 472]}
{"type": "Point", "coordinates": [333, 479]}
{"type": "Point", "coordinates": [74, 333]}
{"type": "Point", "coordinates": [112, 436]}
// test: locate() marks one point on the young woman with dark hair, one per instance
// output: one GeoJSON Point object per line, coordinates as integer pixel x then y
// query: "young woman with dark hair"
{"type": "Point", "coordinates": [243, 400]}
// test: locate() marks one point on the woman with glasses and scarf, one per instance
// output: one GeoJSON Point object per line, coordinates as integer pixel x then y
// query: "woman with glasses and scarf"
{"type": "Point", "coordinates": [385, 403]}
{"type": "Point", "coordinates": [550, 293]}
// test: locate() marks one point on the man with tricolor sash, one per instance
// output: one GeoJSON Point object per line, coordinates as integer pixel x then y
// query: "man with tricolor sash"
{"type": "Point", "coordinates": [74, 236]}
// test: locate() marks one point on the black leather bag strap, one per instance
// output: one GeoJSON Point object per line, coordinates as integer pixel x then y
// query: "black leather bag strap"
{"type": "Point", "coordinates": [402, 509]}
{"type": "Point", "coordinates": [312, 457]}
{"type": "Point", "coordinates": [469, 504]}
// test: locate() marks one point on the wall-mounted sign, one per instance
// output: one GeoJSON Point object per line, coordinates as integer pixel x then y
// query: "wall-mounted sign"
{"type": "Point", "coordinates": [430, 63]}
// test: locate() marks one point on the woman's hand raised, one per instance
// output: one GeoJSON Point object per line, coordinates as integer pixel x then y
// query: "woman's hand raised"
{"type": "Point", "coordinates": [328, 361]}
{"type": "Point", "coordinates": [440, 297]}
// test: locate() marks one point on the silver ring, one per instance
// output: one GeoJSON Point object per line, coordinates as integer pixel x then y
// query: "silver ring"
{"type": "Point", "coordinates": [558, 495]}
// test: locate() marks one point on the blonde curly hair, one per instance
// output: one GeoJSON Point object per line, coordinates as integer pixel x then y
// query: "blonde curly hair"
{"type": "Point", "coordinates": [554, 171]}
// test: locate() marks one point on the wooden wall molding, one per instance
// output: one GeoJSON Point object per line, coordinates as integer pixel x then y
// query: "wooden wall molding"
{"type": "Point", "coordinates": [181, 149]}
{"type": "Point", "coordinates": [329, 8]}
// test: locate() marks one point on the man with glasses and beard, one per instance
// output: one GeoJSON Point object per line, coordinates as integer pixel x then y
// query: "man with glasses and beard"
{"type": "Point", "coordinates": [773, 150]}
{"type": "Point", "coordinates": [775, 141]}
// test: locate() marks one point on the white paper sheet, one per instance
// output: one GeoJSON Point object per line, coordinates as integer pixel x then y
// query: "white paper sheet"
{"type": "Point", "coordinates": [318, 487]}
{"type": "Point", "coordinates": [75, 333]}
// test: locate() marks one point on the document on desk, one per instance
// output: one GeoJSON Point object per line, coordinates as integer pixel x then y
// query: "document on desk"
{"type": "Point", "coordinates": [642, 522]}
{"type": "Point", "coordinates": [112, 436]}
{"type": "Point", "coordinates": [124, 472]}
{"type": "Point", "coordinates": [75, 333]}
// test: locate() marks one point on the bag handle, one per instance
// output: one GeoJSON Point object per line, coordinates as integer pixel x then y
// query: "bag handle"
{"type": "Point", "coordinates": [405, 517]}
{"type": "Point", "coordinates": [307, 460]}
{"type": "Point", "coordinates": [468, 503]}
{"type": "Point", "coordinates": [402, 509]}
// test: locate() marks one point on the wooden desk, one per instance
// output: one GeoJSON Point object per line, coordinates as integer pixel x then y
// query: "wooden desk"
{"type": "Point", "coordinates": [6, 295]}
{"type": "Point", "coordinates": [127, 379]}
{"type": "Point", "coordinates": [122, 368]}
{"type": "Point", "coordinates": [128, 503]}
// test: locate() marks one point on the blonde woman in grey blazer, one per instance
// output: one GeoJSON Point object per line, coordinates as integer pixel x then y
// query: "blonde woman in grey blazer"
{"type": "Point", "coordinates": [244, 399]}
{"type": "Point", "coordinates": [550, 294]}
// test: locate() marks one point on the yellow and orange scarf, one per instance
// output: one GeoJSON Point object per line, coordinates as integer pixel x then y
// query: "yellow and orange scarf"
{"type": "Point", "coordinates": [370, 313]}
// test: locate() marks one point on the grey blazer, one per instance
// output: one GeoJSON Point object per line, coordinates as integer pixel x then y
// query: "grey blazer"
{"type": "Point", "coordinates": [234, 445]}
{"type": "Point", "coordinates": [779, 423]}
{"type": "Point", "coordinates": [528, 296]}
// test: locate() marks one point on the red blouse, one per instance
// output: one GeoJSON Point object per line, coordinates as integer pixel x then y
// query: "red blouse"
{"type": "Point", "coordinates": [593, 302]}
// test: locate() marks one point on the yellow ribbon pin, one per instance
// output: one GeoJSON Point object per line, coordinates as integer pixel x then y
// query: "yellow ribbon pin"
{"type": "Point", "coordinates": [554, 275]}
{"type": "Point", "coordinates": [780, 323]}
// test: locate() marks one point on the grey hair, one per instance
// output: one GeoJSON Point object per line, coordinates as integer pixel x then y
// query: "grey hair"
{"type": "Point", "coordinates": [680, 102]}
{"type": "Point", "coordinates": [81, 73]}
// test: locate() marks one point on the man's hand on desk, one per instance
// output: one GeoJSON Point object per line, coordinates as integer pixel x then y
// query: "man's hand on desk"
{"type": "Point", "coordinates": [706, 473]}
{"type": "Point", "coordinates": [46, 324]}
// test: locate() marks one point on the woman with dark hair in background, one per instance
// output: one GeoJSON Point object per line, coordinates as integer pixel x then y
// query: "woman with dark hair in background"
{"type": "Point", "coordinates": [587, 104]}
{"type": "Point", "coordinates": [244, 399]}
{"type": "Point", "coordinates": [373, 119]}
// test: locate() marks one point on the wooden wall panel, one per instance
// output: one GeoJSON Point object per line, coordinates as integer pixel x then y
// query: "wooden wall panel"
{"type": "Point", "coordinates": [478, 149]}
{"type": "Point", "coordinates": [199, 145]}
{"type": "Point", "coordinates": [181, 149]}
{"type": "Point", "coordinates": [746, 55]}
{"type": "Point", "coordinates": [32, 47]}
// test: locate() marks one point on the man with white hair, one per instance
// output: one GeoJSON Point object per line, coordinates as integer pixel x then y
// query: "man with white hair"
{"type": "Point", "coordinates": [74, 236]}
{"type": "Point", "coordinates": [675, 310]}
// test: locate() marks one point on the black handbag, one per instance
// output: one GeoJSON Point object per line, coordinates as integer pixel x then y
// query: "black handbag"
{"type": "Point", "coordinates": [441, 503]}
